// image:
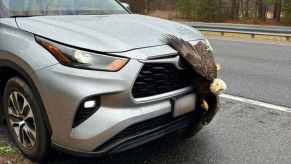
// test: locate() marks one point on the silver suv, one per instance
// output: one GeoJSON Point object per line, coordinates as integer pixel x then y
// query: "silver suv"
{"type": "Point", "coordinates": [91, 78]}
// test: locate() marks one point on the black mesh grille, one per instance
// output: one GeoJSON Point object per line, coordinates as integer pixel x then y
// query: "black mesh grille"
{"type": "Point", "coordinates": [159, 78]}
{"type": "Point", "coordinates": [155, 124]}
{"type": "Point", "coordinates": [146, 125]}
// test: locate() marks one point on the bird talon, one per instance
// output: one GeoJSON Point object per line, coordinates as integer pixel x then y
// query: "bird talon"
{"type": "Point", "coordinates": [205, 105]}
{"type": "Point", "coordinates": [219, 67]}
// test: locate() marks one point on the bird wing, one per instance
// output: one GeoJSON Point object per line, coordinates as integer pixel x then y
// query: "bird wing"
{"type": "Point", "coordinates": [208, 63]}
{"type": "Point", "coordinates": [198, 56]}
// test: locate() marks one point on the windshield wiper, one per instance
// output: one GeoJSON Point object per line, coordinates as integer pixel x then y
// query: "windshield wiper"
{"type": "Point", "coordinates": [23, 16]}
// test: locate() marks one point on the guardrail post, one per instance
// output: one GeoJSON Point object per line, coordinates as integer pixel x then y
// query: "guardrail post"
{"type": "Point", "coordinates": [253, 35]}
{"type": "Point", "coordinates": [288, 38]}
{"type": "Point", "coordinates": [222, 33]}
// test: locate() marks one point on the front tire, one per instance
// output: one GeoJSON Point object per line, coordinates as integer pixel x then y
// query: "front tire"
{"type": "Point", "coordinates": [25, 123]}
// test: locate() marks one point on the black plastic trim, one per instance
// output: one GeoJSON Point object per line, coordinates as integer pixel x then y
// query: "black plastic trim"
{"type": "Point", "coordinates": [153, 134]}
{"type": "Point", "coordinates": [131, 141]}
{"type": "Point", "coordinates": [78, 121]}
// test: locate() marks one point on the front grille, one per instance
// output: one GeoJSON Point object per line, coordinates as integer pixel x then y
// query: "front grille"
{"type": "Point", "coordinates": [159, 78]}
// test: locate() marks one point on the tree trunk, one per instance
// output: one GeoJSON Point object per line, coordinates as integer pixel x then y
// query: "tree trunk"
{"type": "Point", "coordinates": [247, 8]}
{"type": "Point", "coordinates": [242, 7]}
{"type": "Point", "coordinates": [260, 9]}
{"type": "Point", "coordinates": [277, 10]}
{"type": "Point", "coordinates": [138, 6]}
{"type": "Point", "coordinates": [220, 10]}
{"type": "Point", "coordinates": [235, 9]}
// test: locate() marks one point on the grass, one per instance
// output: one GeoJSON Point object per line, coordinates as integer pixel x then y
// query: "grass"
{"type": "Point", "coordinates": [7, 150]}
{"type": "Point", "coordinates": [8, 154]}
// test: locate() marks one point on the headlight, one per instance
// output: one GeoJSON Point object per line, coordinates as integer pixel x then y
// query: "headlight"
{"type": "Point", "coordinates": [210, 48]}
{"type": "Point", "coordinates": [77, 58]}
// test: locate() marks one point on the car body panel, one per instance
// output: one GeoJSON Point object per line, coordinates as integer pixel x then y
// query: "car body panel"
{"type": "Point", "coordinates": [107, 33]}
{"type": "Point", "coordinates": [20, 47]}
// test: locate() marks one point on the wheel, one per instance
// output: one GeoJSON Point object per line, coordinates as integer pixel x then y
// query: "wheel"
{"type": "Point", "coordinates": [24, 119]}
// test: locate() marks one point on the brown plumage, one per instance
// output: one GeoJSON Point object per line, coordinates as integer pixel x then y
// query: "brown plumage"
{"type": "Point", "coordinates": [198, 56]}
{"type": "Point", "coordinates": [201, 59]}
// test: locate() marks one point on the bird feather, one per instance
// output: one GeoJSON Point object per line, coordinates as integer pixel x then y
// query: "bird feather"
{"type": "Point", "coordinates": [198, 56]}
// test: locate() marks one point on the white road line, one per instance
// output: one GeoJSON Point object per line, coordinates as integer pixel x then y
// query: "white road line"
{"type": "Point", "coordinates": [257, 103]}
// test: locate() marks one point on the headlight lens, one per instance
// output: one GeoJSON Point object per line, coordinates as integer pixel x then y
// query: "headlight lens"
{"type": "Point", "coordinates": [210, 48]}
{"type": "Point", "coordinates": [82, 59]}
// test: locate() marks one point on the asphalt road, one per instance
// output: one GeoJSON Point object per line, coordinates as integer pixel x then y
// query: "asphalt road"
{"type": "Point", "coordinates": [256, 70]}
{"type": "Point", "coordinates": [241, 133]}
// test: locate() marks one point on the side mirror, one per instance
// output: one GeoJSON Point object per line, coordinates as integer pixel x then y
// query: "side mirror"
{"type": "Point", "coordinates": [126, 5]}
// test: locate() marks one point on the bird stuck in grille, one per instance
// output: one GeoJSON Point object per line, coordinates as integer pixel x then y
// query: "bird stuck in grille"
{"type": "Point", "coordinates": [201, 59]}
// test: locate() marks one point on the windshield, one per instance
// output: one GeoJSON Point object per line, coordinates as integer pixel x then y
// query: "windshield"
{"type": "Point", "coordinates": [23, 8]}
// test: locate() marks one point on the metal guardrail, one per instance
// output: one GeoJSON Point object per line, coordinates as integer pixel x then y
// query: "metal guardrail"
{"type": "Point", "coordinates": [253, 30]}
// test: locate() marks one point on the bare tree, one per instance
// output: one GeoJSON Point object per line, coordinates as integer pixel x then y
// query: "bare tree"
{"type": "Point", "coordinates": [277, 10]}
{"type": "Point", "coordinates": [235, 5]}
{"type": "Point", "coordinates": [247, 8]}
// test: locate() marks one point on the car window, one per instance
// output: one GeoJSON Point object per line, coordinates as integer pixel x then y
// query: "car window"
{"type": "Point", "coordinates": [59, 7]}
{"type": "Point", "coordinates": [3, 10]}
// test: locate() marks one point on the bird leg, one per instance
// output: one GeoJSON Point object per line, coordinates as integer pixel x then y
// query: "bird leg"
{"type": "Point", "coordinates": [205, 105]}
{"type": "Point", "coordinates": [219, 67]}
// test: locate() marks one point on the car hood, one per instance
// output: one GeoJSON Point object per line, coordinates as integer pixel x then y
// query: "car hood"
{"type": "Point", "coordinates": [106, 33]}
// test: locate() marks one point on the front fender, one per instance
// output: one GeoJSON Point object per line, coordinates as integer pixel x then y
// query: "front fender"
{"type": "Point", "coordinates": [20, 47]}
{"type": "Point", "coordinates": [30, 78]}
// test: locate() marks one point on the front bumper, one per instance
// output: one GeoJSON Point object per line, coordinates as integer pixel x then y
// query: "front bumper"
{"type": "Point", "coordinates": [132, 137]}
{"type": "Point", "coordinates": [63, 88]}
{"type": "Point", "coordinates": [152, 129]}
